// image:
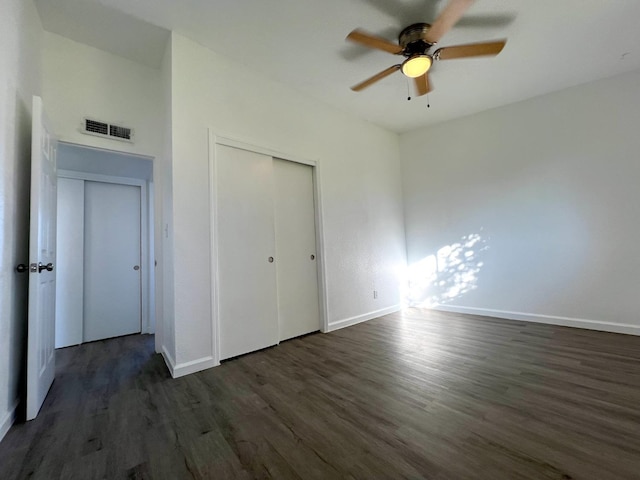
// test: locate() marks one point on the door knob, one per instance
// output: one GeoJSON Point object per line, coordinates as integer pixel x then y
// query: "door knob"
{"type": "Point", "coordinates": [48, 267]}
{"type": "Point", "coordinates": [22, 268]}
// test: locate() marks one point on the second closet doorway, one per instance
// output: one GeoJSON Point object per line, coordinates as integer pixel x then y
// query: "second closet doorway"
{"type": "Point", "coordinates": [105, 253]}
{"type": "Point", "coordinates": [99, 260]}
{"type": "Point", "coordinates": [267, 259]}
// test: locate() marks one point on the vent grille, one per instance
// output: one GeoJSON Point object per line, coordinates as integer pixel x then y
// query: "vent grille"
{"type": "Point", "coordinates": [120, 132]}
{"type": "Point", "coordinates": [93, 126]}
{"type": "Point", "coordinates": [107, 130]}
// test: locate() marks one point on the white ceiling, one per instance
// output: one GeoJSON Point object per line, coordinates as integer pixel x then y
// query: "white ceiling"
{"type": "Point", "coordinates": [102, 27]}
{"type": "Point", "coordinates": [552, 44]}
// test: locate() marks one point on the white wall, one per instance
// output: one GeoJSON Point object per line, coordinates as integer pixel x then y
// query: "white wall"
{"type": "Point", "coordinates": [360, 181]}
{"type": "Point", "coordinates": [530, 211]}
{"type": "Point", "coordinates": [103, 162]}
{"type": "Point", "coordinates": [80, 81]}
{"type": "Point", "coordinates": [20, 78]}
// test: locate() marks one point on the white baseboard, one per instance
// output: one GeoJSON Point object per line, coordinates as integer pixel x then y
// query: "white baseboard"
{"type": "Point", "coordinates": [168, 360]}
{"type": "Point", "coordinates": [347, 322]}
{"type": "Point", "coordinates": [548, 319]}
{"type": "Point", "coordinates": [8, 420]}
{"type": "Point", "coordinates": [186, 368]}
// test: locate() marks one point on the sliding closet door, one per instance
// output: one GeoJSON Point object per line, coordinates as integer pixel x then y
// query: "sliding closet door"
{"type": "Point", "coordinates": [298, 310]}
{"type": "Point", "coordinates": [112, 280]}
{"type": "Point", "coordinates": [247, 301]}
{"type": "Point", "coordinates": [70, 262]}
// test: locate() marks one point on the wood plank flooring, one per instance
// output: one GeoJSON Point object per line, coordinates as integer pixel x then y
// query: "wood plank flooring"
{"type": "Point", "coordinates": [419, 394]}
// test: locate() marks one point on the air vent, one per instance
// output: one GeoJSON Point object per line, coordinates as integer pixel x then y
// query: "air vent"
{"type": "Point", "coordinates": [97, 127]}
{"type": "Point", "coordinates": [120, 132]}
{"type": "Point", "coordinates": [107, 130]}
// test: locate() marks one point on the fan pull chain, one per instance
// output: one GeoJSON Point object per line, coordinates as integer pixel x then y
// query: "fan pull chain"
{"type": "Point", "coordinates": [428, 106]}
{"type": "Point", "coordinates": [408, 90]}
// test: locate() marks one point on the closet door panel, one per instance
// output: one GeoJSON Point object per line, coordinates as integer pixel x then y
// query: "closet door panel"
{"type": "Point", "coordinates": [298, 308]}
{"type": "Point", "coordinates": [112, 255]}
{"type": "Point", "coordinates": [70, 262]}
{"type": "Point", "coordinates": [247, 297]}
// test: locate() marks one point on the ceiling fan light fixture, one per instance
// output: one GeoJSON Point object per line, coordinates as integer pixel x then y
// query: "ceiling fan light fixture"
{"type": "Point", "coordinates": [416, 66]}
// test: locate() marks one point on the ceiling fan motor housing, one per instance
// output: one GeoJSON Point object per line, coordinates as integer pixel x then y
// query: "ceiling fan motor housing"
{"type": "Point", "coordinates": [413, 39]}
{"type": "Point", "coordinates": [416, 41]}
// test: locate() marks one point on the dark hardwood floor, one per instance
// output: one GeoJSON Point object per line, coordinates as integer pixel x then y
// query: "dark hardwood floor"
{"type": "Point", "coordinates": [414, 395]}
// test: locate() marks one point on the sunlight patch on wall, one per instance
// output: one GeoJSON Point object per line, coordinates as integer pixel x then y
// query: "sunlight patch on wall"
{"type": "Point", "coordinates": [447, 274]}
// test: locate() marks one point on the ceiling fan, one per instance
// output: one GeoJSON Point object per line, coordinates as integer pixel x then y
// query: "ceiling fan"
{"type": "Point", "coordinates": [415, 43]}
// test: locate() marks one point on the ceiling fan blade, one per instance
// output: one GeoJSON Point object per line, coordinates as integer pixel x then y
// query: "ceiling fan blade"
{"type": "Point", "coordinates": [447, 19]}
{"type": "Point", "coordinates": [487, 20]}
{"type": "Point", "coordinates": [375, 78]}
{"type": "Point", "coordinates": [373, 41]}
{"type": "Point", "coordinates": [470, 50]}
{"type": "Point", "coordinates": [423, 84]}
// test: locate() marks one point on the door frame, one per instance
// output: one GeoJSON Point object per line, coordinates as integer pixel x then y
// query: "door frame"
{"type": "Point", "coordinates": [146, 261]}
{"type": "Point", "coordinates": [214, 140]}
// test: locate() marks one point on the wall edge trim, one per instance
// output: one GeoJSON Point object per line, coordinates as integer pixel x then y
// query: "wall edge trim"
{"type": "Point", "coordinates": [193, 366]}
{"type": "Point", "coordinates": [168, 359]}
{"type": "Point", "coordinates": [9, 419]}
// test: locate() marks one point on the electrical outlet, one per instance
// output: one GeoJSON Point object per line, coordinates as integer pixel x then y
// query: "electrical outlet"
{"type": "Point", "coordinates": [375, 294]}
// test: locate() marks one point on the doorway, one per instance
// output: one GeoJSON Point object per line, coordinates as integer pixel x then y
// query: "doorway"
{"type": "Point", "coordinates": [105, 252]}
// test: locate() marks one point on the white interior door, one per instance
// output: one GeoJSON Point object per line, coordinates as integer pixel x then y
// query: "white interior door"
{"type": "Point", "coordinates": [112, 254]}
{"type": "Point", "coordinates": [298, 310]}
{"type": "Point", "coordinates": [247, 302]}
{"type": "Point", "coordinates": [42, 258]}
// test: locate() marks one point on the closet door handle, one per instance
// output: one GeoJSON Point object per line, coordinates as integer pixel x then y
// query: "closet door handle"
{"type": "Point", "coordinates": [313, 257]}
{"type": "Point", "coordinates": [270, 259]}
